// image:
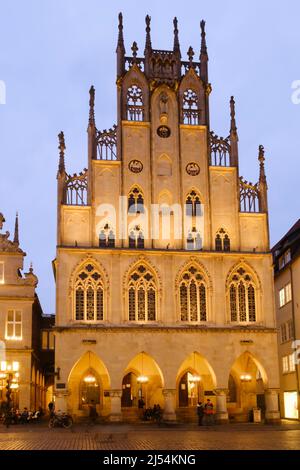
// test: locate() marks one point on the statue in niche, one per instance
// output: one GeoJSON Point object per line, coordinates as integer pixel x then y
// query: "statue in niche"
{"type": "Point", "coordinates": [163, 103]}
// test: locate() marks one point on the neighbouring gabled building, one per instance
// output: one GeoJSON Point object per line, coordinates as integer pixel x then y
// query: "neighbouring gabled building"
{"type": "Point", "coordinates": [21, 321]}
{"type": "Point", "coordinates": [286, 254]}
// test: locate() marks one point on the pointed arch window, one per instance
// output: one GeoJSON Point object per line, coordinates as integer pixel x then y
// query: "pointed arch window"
{"type": "Point", "coordinates": [135, 110]}
{"type": "Point", "coordinates": [194, 240]}
{"type": "Point", "coordinates": [193, 296]}
{"type": "Point", "coordinates": [222, 241]}
{"type": "Point", "coordinates": [142, 295]}
{"type": "Point", "coordinates": [190, 108]}
{"type": "Point", "coordinates": [89, 294]}
{"type": "Point", "coordinates": [193, 205]}
{"type": "Point", "coordinates": [242, 297]}
{"type": "Point", "coordinates": [107, 237]}
{"type": "Point", "coordinates": [136, 201]}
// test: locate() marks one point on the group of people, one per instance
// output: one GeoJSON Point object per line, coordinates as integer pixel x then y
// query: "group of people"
{"type": "Point", "coordinates": [205, 412]}
{"type": "Point", "coordinates": [16, 416]}
{"type": "Point", "coordinates": [153, 414]}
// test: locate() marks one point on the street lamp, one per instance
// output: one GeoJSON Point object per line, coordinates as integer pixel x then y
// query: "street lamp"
{"type": "Point", "coordinates": [10, 372]}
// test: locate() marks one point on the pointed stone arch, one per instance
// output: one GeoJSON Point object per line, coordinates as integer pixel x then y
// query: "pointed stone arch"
{"type": "Point", "coordinates": [144, 365]}
{"type": "Point", "coordinates": [192, 85]}
{"type": "Point", "coordinates": [100, 287]}
{"type": "Point", "coordinates": [243, 294]}
{"type": "Point", "coordinates": [244, 264]}
{"type": "Point", "coordinates": [193, 260]}
{"type": "Point", "coordinates": [195, 378]}
{"type": "Point", "coordinates": [164, 165]}
{"type": "Point", "coordinates": [88, 363]}
{"type": "Point", "coordinates": [142, 291]}
{"type": "Point", "coordinates": [135, 77]}
{"type": "Point", "coordinates": [251, 381]}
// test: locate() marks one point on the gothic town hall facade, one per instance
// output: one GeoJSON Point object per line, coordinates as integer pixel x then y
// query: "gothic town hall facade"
{"type": "Point", "coordinates": [164, 288]}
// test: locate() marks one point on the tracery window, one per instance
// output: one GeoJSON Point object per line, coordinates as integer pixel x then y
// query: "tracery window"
{"type": "Point", "coordinates": [135, 104]}
{"type": "Point", "coordinates": [142, 295]}
{"type": "Point", "coordinates": [194, 240]}
{"type": "Point", "coordinates": [135, 201]}
{"type": "Point", "coordinates": [89, 294]}
{"type": "Point", "coordinates": [190, 108]}
{"type": "Point", "coordinates": [222, 241]}
{"type": "Point", "coordinates": [193, 296]}
{"type": "Point", "coordinates": [107, 237]}
{"type": "Point", "coordinates": [193, 204]}
{"type": "Point", "coordinates": [136, 238]}
{"type": "Point", "coordinates": [242, 297]}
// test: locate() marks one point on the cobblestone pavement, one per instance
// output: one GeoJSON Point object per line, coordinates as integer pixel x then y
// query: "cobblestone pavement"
{"type": "Point", "coordinates": [125, 437]}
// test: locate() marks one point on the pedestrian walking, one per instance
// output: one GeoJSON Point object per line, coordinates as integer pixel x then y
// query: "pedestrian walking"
{"type": "Point", "coordinates": [200, 412]}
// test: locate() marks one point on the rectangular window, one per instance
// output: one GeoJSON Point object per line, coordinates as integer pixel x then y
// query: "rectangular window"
{"type": "Point", "coordinates": [287, 256]}
{"type": "Point", "coordinates": [281, 262]}
{"type": "Point", "coordinates": [292, 367]}
{"type": "Point", "coordinates": [285, 295]}
{"type": "Point", "coordinates": [47, 339]}
{"type": "Point", "coordinates": [281, 297]}
{"type": "Point", "coordinates": [14, 325]}
{"type": "Point", "coordinates": [288, 293]}
{"type": "Point", "coordinates": [285, 364]}
{"type": "Point", "coordinates": [283, 333]}
{"type": "Point", "coordinates": [284, 259]}
{"type": "Point", "coordinates": [1, 272]}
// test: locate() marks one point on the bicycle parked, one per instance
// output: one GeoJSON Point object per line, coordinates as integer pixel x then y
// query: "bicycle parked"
{"type": "Point", "coordinates": [62, 420]}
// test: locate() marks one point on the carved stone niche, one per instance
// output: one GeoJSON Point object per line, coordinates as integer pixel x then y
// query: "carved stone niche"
{"type": "Point", "coordinates": [163, 107]}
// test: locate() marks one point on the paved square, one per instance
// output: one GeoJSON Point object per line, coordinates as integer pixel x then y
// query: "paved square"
{"type": "Point", "coordinates": [125, 437]}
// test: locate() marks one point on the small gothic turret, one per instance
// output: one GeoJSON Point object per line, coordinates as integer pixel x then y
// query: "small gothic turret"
{"type": "Point", "coordinates": [120, 49]}
{"type": "Point", "coordinates": [62, 148]}
{"type": "Point", "coordinates": [234, 157]}
{"type": "Point", "coordinates": [176, 47]}
{"type": "Point", "coordinates": [148, 44]}
{"type": "Point", "coordinates": [203, 54]}
{"type": "Point", "coordinates": [262, 185]}
{"type": "Point", "coordinates": [16, 235]}
{"type": "Point", "coordinates": [92, 107]}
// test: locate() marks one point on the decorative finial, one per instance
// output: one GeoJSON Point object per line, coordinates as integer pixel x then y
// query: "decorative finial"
{"type": "Point", "coordinates": [31, 268]}
{"type": "Point", "coordinates": [176, 47]}
{"type": "Point", "coordinates": [62, 148]}
{"type": "Point", "coordinates": [190, 54]}
{"type": "Point", "coordinates": [134, 49]}
{"type": "Point", "coordinates": [92, 106]}
{"type": "Point", "coordinates": [233, 127]}
{"type": "Point", "coordinates": [120, 35]}
{"type": "Point", "coordinates": [203, 39]}
{"type": "Point", "coordinates": [148, 45]}
{"type": "Point", "coordinates": [2, 220]}
{"type": "Point", "coordinates": [16, 235]}
{"type": "Point", "coordinates": [261, 159]}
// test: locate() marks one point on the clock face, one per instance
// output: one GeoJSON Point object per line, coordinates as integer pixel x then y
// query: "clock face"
{"type": "Point", "coordinates": [192, 169]}
{"type": "Point", "coordinates": [135, 166]}
{"type": "Point", "coordinates": [164, 132]}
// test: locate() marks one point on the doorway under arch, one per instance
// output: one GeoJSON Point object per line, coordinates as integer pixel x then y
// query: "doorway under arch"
{"type": "Point", "coordinates": [246, 384]}
{"type": "Point", "coordinates": [142, 386]}
{"type": "Point", "coordinates": [87, 382]}
{"type": "Point", "coordinates": [195, 383]}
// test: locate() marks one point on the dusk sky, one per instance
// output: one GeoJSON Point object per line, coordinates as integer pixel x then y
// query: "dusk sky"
{"type": "Point", "coordinates": [52, 51]}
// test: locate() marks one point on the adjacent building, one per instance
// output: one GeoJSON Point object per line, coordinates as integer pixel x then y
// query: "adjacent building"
{"type": "Point", "coordinates": [286, 254]}
{"type": "Point", "coordinates": [21, 323]}
{"type": "Point", "coordinates": [164, 279]}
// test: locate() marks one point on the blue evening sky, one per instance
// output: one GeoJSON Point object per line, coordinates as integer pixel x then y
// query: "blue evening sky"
{"type": "Point", "coordinates": [51, 51]}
